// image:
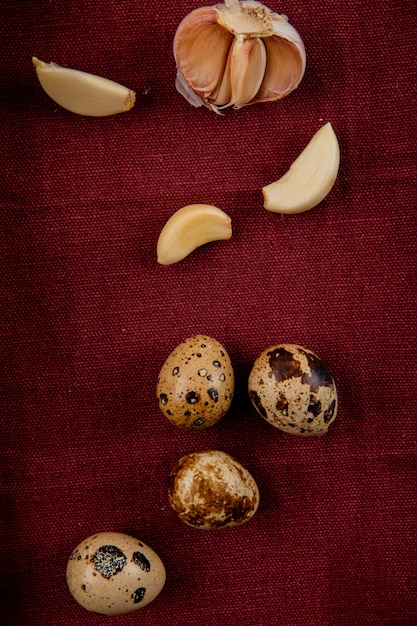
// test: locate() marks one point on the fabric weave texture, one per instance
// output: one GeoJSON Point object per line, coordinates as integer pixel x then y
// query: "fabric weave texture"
{"type": "Point", "coordinates": [88, 318]}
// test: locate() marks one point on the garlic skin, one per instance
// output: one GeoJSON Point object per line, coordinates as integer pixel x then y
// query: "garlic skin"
{"type": "Point", "coordinates": [235, 54]}
{"type": "Point", "coordinates": [83, 93]}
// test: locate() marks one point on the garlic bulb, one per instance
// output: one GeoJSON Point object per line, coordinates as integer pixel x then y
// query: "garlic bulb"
{"type": "Point", "coordinates": [237, 53]}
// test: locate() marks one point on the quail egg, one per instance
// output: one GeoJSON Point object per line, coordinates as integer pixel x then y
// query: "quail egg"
{"type": "Point", "coordinates": [112, 574]}
{"type": "Point", "coordinates": [211, 490]}
{"type": "Point", "coordinates": [196, 383]}
{"type": "Point", "coordinates": [292, 389]}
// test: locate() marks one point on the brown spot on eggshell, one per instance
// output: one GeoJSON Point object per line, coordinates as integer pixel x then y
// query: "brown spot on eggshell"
{"type": "Point", "coordinates": [319, 376]}
{"type": "Point", "coordinates": [314, 407]}
{"type": "Point", "coordinates": [256, 401]}
{"type": "Point", "coordinates": [196, 383]}
{"type": "Point", "coordinates": [212, 490]}
{"type": "Point", "coordinates": [292, 389]}
{"type": "Point", "coordinates": [283, 364]}
{"type": "Point", "coordinates": [330, 412]}
{"type": "Point", "coordinates": [138, 595]}
{"type": "Point", "coordinates": [141, 561]}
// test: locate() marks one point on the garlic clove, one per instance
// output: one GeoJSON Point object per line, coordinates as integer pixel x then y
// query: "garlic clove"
{"type": "Point", "coordinates": [201, 49]}
{"type": "Point", "coordinates": [235, 54]}
{"type": "Point", "coordinates": [309, 179]}
{"type": "Point", "coordinates": [247, 68]}
{"type": "Point", "coordinates": [189, 228]}
{"type": "Point", "coordinates": [282, 54]}
{"type": "Point", "coordinates": [221, 98]}
{"type": "Point", "coordinates": [83, 93]}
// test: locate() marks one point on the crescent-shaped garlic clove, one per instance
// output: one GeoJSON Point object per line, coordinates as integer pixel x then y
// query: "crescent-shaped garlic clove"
{"type": "Point", "coordinates": [190, 227]}
{"type": "Point", "coordinates": [83, 93]}
{"type": "Point", "coordinates": [309, 179]}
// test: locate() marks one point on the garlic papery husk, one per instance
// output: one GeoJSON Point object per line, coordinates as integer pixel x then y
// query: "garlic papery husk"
{"type": "Point", "coordinates": [83, 93]}
{"type": "Point", "coordinates": [235, 54]}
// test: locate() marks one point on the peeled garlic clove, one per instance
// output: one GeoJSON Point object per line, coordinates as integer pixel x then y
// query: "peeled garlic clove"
{"type": "Point", "coordinates": [310, 177]}
{"type": "Point", "coordinates": [83, 93]}
{"type": "Point", "coordinates": [190, 227]}
{"type": "Point", "coordinates": [237, 53]}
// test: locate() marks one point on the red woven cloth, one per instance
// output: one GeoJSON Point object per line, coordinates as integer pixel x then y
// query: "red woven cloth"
{"type": "Point", "coordinates": [88, 317]}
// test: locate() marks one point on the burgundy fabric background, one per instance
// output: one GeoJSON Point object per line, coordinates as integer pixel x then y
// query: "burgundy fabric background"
{"type": "Point", "coordinates": [88, 317]}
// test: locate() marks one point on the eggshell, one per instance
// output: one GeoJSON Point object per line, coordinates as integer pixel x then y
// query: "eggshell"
{"type": "Point", "coordinates": [292, 389]}
{"type": "Point", "coordinates": [196, 383]}
{"type": "Point", "coordinates": [112, 574]}
{"type": "Point", "coordinates": [211, 490]}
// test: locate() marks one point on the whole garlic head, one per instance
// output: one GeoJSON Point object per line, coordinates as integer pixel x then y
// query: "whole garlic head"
{"type": "Point", "coordinates": [235, 54]}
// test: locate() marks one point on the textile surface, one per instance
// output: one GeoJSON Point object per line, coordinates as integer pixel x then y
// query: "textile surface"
{"type": "Point", "coordinates": [88, 317]}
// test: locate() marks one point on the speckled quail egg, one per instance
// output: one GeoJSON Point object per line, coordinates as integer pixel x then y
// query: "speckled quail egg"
{"type": "Point", "coordinates": [196, 383]}
{"type": "Point", "coordinates": [211, 490]}
{"type": "Point", "coordinates": [292, 389]}
{"type": "Point", "coordinates": [112, 574]}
